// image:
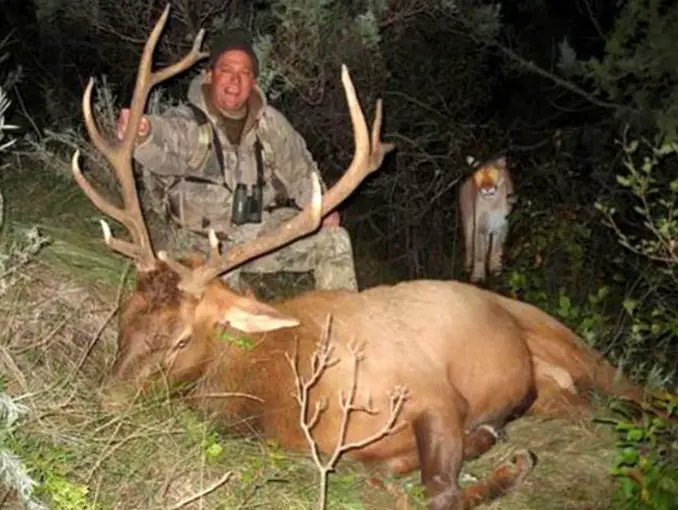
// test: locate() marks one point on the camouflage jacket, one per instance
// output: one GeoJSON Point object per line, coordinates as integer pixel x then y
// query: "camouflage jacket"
{"type": "Point", "coordinates": [180, 156]}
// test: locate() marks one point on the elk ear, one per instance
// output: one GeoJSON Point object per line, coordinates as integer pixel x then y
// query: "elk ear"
{"type": "Point", "coordinates": [251, 316]}
{"type": "Point", "coordinates": [220, 305]}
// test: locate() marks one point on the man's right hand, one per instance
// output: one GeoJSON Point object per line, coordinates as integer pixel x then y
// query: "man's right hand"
{"type": "Point", "coordinates": [123, 120]}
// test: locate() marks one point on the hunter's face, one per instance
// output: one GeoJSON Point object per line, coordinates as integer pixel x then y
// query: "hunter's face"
{"type": "Point", "coordinates": [232, 80]}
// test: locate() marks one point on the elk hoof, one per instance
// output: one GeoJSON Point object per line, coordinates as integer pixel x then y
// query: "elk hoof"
{"type": "Point", "coordinates": [499, 434]}
{"type": "Point", "coordinates": [512, 472]}
{"type": "Point", "coordinates": [490, 429]}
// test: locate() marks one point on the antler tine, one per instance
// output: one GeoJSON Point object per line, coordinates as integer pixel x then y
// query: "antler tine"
{"type": "Point", "coordinates": [186, 272]}
{"type": "Point", "coordinates": [131, 250]}
{"type": "Point", "coordinates": [365, 161]}
{"type": "Point", "coordinates": [147, 80]}
{"type": "Point", "coordinates": [120, 155]}
{"type": "Point", "coordinates": [379, 149]}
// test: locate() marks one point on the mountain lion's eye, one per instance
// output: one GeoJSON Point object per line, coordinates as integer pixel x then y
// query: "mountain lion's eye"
{"type": "Point", "coordinates": [182, 343]}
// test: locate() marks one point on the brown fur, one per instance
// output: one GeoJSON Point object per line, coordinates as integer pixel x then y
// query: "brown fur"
{"type": "Point", "coordinates": [484, 205]}
{"type": "Point", "coordinates": [560, 352]}
{"type": "Point", "coordinates": [468, 357]}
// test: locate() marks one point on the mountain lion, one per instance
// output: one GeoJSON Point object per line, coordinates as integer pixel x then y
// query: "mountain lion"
{"type": "Point", "coordinates": [485, 202]}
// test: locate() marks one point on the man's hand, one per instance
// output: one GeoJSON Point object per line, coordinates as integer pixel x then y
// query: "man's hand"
{"type": "Point", "coordinates": [123, 120]}
{"type": "Point", "coordinates": [332, 220]}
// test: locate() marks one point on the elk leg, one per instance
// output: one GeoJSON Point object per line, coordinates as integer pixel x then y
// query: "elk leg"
{"type": "Point", "coordinates": [440, 443]}
{"type": "Point", "coordinates": [480, 440]}
{"type": "Point", "coordinates": [504, 478]}
{"type": "Point", "coordinates": [555, 401]}
{"type": "Point", "coordinates": [476, 442]}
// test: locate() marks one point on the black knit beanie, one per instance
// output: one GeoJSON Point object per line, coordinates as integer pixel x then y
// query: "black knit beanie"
{"type": "Point", "coordinates": [234, 39]}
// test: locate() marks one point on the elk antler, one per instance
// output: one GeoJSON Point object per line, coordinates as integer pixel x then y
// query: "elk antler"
{"type": "Point", "coordinates": [366, 159]}
{"type": "Point", "coordinates": [120, 155]}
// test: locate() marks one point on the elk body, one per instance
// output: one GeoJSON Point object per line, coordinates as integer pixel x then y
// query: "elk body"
{"type": "Point", "coordinates": [469, 359]}
{"type": "Point", "coordinates": [455, 391]}
{"type": "Point", "coordinates": [484, 205]}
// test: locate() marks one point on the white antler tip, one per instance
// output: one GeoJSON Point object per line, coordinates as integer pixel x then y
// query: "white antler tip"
{"type": "Point", "coordinates": [317, 200]}
{"type": "Point", "coordinates": [214, 240]}
{"type": "Point", "coordinates": [107, 231]}
{"type": "Point", "coordinates": [75, 167]}
{"type": "Point", "coordinates": [345, 74]}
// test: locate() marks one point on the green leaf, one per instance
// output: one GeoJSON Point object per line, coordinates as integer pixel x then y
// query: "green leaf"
{"type": "Point", "coordinates": [635, 435]}
{"type": "Point", "coordinates": [630, 305]}
{"type": "Point", "coordinates": [564, 303]}
{"type": "Point", "coordinates": [213, 451]}
{"type": "Point", "coordinates": [629, 456]}
{"type": "Point", "coordinates": [624, 181]}
{"type": "Point", "coordinates": [239, 340]}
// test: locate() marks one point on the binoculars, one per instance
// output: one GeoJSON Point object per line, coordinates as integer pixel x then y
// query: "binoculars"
{"type": "Point", "coordinates": [246, 208]}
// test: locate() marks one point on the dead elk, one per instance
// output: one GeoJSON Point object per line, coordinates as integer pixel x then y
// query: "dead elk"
{"type": "Point", "coordinates": [470, 360]}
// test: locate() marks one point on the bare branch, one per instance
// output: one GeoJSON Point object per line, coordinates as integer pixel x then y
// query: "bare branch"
{"type": "Point", "coordinates": [203, 493]}
{"type": "Point", "coordinates": [320, 360]}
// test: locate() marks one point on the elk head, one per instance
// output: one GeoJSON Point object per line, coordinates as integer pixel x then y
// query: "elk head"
{"type": "Point", "coordinates": [170, 320]}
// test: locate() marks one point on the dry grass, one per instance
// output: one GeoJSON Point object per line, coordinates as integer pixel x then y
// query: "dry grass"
{"type": "Point", "coordinates": [58, 338]}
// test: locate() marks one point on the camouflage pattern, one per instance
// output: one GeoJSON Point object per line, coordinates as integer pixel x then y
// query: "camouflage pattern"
{"type": "Point", "coordinates": [179, 147]}
{"type": "Point", "coordinates": [328, 254]}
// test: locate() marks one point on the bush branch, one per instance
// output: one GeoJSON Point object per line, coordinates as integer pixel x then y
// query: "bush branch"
{"type": "Point", "coordinates": [322, 359]}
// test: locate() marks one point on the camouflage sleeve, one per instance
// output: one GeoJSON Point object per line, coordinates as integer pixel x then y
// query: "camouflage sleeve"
{"type": "Point", "coordinates": [172, 141]}
{"type": "Point", "coordinates": [294, 161]}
